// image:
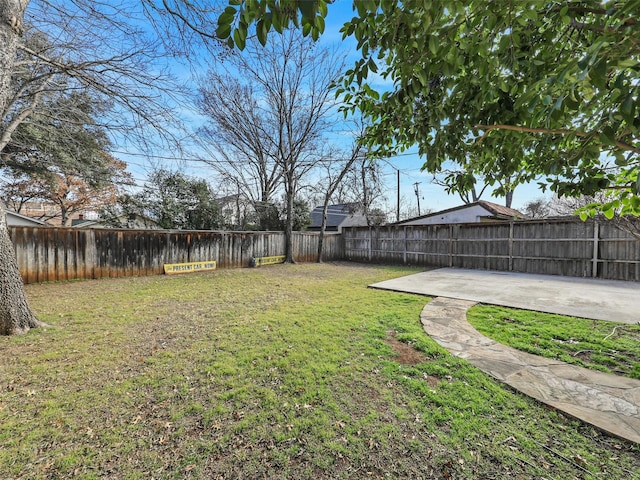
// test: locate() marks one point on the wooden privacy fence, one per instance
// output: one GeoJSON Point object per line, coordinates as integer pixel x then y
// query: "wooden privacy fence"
{"type": "Point", "coordinates": [52, 254]}
{"type": "Point", "coordinates": [573, 248]}
{"type": "Point", "coordinates": [567, 247]}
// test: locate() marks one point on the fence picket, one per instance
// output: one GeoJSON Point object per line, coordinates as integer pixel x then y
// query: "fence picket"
{"type": "Point", "coordinates": [563, 247]}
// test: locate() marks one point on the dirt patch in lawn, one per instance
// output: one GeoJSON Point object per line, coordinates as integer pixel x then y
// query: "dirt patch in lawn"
{"type": "Point", "coordinates": [405, 353]}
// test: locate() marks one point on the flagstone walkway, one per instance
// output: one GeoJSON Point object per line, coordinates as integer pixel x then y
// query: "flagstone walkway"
{"type": "Point", "coordinates": [609, 402]}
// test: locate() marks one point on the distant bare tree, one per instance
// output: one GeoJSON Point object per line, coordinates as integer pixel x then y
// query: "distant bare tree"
{"type": "Point", "coordinates": [537, 208]}
{"type": "Point", "coordinates": [362, 187]}
{"type": "Point", "coordinates": [240, 134]}
{"type": "Point", "coordinates": [470, 187]}
{"type": "Point", "coordinates": [575, 205]}
{"type": "Point", "coordinates": [336, 171]}
{"type": "Point", "coordinates": [572, 206]}
{"type": "Point", "coordinates": [269, 115]}
{"type": "Point", "coordinates": [462, 183]}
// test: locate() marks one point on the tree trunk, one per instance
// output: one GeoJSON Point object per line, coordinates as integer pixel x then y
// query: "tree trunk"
{"type": "Point", "coordinates": [323, 227]}
{"type": "Point", "coordinates": [355, 154]}
{"type": "Point", "coordinates": [15, 314]}
{"type": "Point", "coordinates": [288, 227]}
{"type": "Point", "coordinates": [508, 199]}
{"type": "Point", "coordinates": [11, 26]}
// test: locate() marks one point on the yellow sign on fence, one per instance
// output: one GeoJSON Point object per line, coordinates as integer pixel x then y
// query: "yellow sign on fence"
{"type": "Point", "coordinates": [171, 268]}
{"type": "Point", "coordinates": [257, 261]}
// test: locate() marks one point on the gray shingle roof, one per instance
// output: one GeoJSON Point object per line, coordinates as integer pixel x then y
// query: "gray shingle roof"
{"type": "Point", "coordinates": [337, 215]}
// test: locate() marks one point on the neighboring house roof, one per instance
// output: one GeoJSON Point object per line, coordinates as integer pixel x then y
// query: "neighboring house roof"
{"type": "Point", "coordinates": [17, 220]}
{"type": "Point", "coordinates": [500, 211]}
{"type": "Point", "coordinates": [232, 198]}
{"type": "Point", "coordinates": [123, 221]}
{"type": "Point", "coordinates": [338, 216]}
{"type": "Point", "coordinates": [477, 211]}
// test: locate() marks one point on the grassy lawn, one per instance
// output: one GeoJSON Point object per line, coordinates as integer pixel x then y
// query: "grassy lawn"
{"type": "Point", "coordinates": [606, 346]}
{"type": "Point", "coordinates": [279, 372]}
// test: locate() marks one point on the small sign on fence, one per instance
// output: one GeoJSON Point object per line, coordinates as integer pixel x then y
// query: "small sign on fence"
{"type": "Point", "coordinates": [171, 268]}
{"type": "Point", "coordinates": [257, 261]}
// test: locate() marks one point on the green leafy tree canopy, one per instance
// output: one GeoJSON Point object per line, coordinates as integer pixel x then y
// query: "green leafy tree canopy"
{"type": "Point", "coordinates": [554, 83]}
{"type": "Point", "coordinates": [177, 201]}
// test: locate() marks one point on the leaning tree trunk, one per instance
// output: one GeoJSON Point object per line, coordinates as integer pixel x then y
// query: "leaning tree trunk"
{"type": "Point", "coordinates": [15, 314]}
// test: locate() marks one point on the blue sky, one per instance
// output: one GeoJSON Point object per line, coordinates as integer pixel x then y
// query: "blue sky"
{"type": "Point", "coordinates": [432, 196]}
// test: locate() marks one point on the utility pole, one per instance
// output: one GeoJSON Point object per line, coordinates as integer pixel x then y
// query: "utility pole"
{"type": "Point", "coordinates": [416, 188]}
{"type": "Point", "coordinates": [398, 204]}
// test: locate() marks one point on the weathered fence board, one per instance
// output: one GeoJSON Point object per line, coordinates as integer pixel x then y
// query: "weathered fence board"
{"type": "Point", "coordinates": [565, 247]}
{"type": "Point", "coordinates": [53, 254]}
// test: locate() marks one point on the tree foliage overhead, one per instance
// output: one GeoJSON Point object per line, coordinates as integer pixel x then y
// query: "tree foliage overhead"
{"type": "Point", "coordinates": [59, 155]}
{"type": "Point", "coordinates": [75, 56]}
{"type": "Point", "coordinates": [242, 134]}
{"type": "Point", "coordinates": [549, 78]}
{"type": "Point", "coordinates": [235, 21]}
{"type": "Point", "coordinates": [62, 136]}
{"type": "Point", "coordinates": [555, 83]}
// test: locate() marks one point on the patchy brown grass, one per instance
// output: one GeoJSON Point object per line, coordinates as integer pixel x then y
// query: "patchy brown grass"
{"type": "Point", "coordinates": [279, 372]}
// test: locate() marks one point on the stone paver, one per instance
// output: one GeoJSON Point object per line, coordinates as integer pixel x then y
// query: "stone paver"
{"type": "Point", "coordinates": [609, 402]}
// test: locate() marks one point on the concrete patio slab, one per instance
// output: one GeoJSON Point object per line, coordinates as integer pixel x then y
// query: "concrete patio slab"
{"type": "Point", "coordinates": [580, 297]}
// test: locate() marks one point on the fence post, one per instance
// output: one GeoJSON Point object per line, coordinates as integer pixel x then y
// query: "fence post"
{"type": "Point", "coordinates": [404, 256]}
{"type": "Point", "coordinates": [450, 245]}
{"type": "Point", "coordinates": [370, 242]}
{"type": "Point", "coordinates": [511, 246]}
{"type": "Point", "coordinates": [92, 251]}
{"type": "Point", "coordinates": [594, 258]}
